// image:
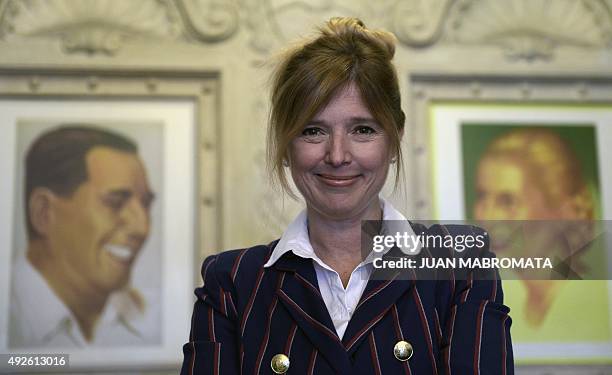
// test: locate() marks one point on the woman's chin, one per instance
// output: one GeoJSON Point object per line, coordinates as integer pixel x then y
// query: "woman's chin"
{"type": "Point", "coordinates": [342, 209]}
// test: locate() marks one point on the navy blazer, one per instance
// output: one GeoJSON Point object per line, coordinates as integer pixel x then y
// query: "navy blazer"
{"type": "Point", "coordinates": [245, 314]}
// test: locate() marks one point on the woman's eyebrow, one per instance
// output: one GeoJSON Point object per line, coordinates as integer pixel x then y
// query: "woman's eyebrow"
{"type": "Point", "coordinates": [351, 120]}
{"type": "Point", "coordinates": [358, 119]}
{"type": "Point", "coordinates": [315, 122]}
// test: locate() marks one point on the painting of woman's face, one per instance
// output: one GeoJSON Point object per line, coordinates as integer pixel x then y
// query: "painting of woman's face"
{"type": "Point", "coordinates": [505, 191]}
{"type": "Point", "coordinates": [526, 181]}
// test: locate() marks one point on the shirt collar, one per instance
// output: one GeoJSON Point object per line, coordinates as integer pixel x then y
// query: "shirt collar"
{"type": "Point", "coordinates": [296, 239]}
{"type": "Point", "coordinates": [34, 292]}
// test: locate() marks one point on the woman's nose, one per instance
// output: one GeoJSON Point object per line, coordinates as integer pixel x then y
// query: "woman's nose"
{"type": "Point", "coordinates": [483, 209]}
{"type": "Point", "coordinates": [338, 150]}
{"type": "Point", "coordinates": [489, 210]}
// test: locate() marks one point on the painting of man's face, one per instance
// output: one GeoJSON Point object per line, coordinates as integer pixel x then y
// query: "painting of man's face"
{"type": "Point", "coordinates": [98, 230]}
{"type": "Point", "coordinates": [90, 243]}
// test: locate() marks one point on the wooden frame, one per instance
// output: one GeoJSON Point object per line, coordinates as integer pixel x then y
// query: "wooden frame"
{"type": "Point", "coordinates": [447, 101]}
{"type": "Point", "coordinates": [195, 98]}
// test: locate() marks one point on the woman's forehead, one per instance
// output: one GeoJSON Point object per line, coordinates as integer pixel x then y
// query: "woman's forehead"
{"type": "Point", "coordinates": [346, 102]}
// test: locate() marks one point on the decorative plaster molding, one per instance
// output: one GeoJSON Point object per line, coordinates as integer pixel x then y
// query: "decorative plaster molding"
{"type": "Point", "coordinates": [531, 29]}
{"type": "Point", "coordinates": [419, 23]}
{"type": "Point", "coordinates": [416, 23]}
{"type": "Point", "coordinates": [102, 26]}
{"type": "Point", "coordinates": [273, 23]}
{"type": "Point", "coordinates": [91, 26]}
{"type": "Point", "coordinates": [524, 29]}
{"type": "Point", "coordinates": [262, 28]}
{"type": "Point", "coordinates": [209, 21]}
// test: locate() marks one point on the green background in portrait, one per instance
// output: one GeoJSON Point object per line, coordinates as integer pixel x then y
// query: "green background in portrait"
{"type": "Point", "coordinates": [580, 311]}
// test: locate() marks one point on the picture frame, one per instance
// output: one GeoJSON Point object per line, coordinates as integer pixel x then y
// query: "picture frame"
{"type": "Point", "coordinates": [173, 119]}
{"type": "Point", "coordinates": [585, 129]}
{"type": "Point", "coordinates": [442, 110]}
{"type": "Point", "coordinates": [449, 120]}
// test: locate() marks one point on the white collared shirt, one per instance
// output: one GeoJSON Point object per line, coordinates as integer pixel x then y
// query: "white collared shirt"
{"type": "Point", "coordinates": [340, 302]}
{"type": "Point", "coordinates": [38, 318]}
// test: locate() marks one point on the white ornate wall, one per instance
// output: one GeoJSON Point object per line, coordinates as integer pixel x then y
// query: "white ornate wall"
{"type": "Point", "coordinates": [520, 45]}
{"type": "Point", "coordinates": [437, 38]}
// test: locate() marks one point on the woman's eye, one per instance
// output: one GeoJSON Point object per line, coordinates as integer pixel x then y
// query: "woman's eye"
{"type": "Point", "coordinates": [312, 132]}
{"type": "Point", "coordinates": [364, 130]}
{"type": "Point", "coordinates": [507, 200]}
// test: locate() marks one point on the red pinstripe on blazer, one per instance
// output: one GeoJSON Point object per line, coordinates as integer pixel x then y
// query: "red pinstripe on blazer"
{"type": "Point", "coordinates": [245, 314]}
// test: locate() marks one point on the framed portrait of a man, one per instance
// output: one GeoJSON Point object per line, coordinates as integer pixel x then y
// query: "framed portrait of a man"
{"type": "Point", "coordinates": [87, 194]}
{"type": "Point", "coordinates": [97, 240]}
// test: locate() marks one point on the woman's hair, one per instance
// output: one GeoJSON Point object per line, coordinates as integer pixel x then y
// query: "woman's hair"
{"type": "Point", "coordinates": [551, 164]}
{"type": "Point", "coordinates": [308, 75]}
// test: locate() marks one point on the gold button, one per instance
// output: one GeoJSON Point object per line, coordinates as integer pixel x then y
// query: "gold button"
{"type": "Point", "coordinates": [402, 350]}
{"type": "Point", "coordinates": [280, 364]}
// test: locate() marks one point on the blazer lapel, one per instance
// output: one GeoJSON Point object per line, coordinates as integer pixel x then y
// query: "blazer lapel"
{"type": "Point", "coordinates": [301, 296]}
{"type": "Point", "coordinates": [382, 291]}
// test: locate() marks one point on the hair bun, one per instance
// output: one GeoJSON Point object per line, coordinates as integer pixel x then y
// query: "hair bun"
{"type": "Point", "coordinates": [352, 27]}
{"type": "Point", "coordinates": [347, 21]}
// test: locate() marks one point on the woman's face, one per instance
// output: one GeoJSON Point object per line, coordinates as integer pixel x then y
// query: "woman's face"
{"type": "Point", "coordinates": [505, 192]}
{"type": "Point", "coordinates": [508, 195]}
{"type": "Point", "coordinates": [340, 160]}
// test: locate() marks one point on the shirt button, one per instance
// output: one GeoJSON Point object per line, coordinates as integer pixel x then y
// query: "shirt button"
{"type": "Point", "coordinates": [280, 364]}
{"type": "Point", "coordinates": [402, 350]}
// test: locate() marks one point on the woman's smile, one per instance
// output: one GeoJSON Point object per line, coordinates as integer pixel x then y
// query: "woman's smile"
{"type": "Point", "coordinates": [337, 180]}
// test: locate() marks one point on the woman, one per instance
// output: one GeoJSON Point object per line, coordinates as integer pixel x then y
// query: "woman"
{"type": "Point", "coordinates": [304, 304]}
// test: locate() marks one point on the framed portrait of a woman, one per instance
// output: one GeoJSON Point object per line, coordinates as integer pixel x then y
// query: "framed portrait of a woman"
{"type": "Point", "coordinates": [533, 162]}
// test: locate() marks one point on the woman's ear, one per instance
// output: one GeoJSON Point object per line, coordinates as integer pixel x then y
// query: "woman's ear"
{"type": "Point", "coordinates": [287, 159]}
{"type": "Point", "coordinates": [394, 155]}
{"type": "Point", "coordinates": [40, 209]}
